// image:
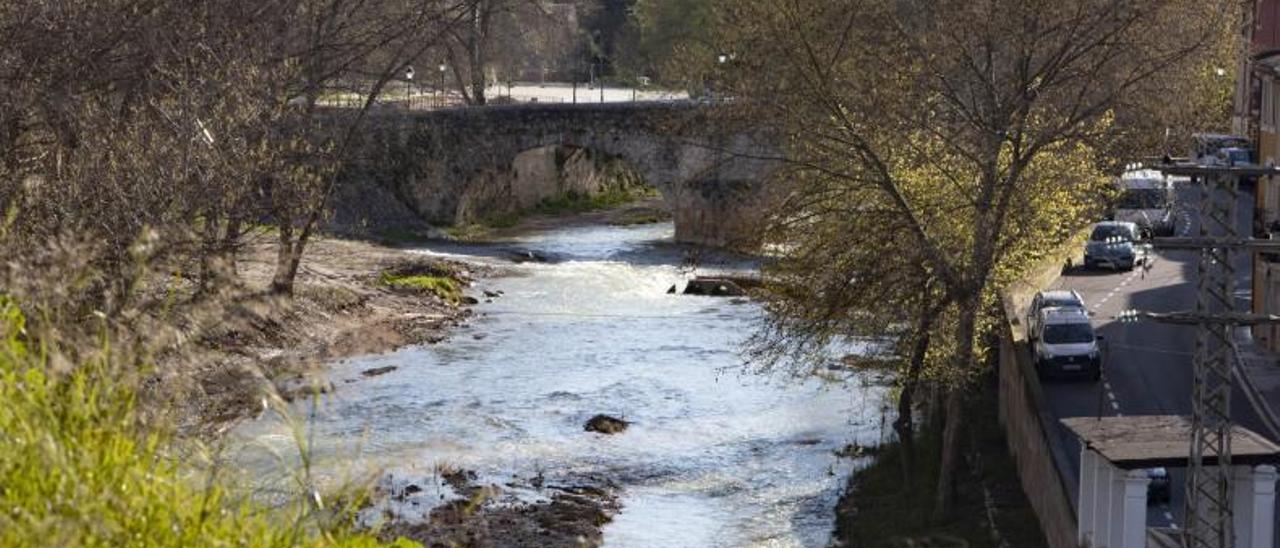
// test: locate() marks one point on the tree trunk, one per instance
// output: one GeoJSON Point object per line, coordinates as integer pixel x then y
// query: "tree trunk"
{"type": "Point", "coordinates": [230, 243]}
{"type": "Point", "coordinates": [944, 501]}
{"type": "Point", "coordinates": [208, 253]}
{"type": "Point", "coordinates": [476, 49]}
{"type": "Point", "coordinates": [287, 258]}
{"type": "Point", "coordinates": [903, 425]}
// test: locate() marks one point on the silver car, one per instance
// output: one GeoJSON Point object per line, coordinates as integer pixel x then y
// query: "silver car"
{"type": "Point", "coordinates": [1116, 245]}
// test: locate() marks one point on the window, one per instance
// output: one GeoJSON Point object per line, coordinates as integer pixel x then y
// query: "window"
{"type": "Point", "coordinates": [1068, 333]}
{"type": "Point", "coordinates": [1103, 233]}
{"type": "Point", "coordinates": [1143, 198]}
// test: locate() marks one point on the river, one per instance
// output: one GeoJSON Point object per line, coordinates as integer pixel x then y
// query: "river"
{"type": "Point", "coordinates": [716, 456]}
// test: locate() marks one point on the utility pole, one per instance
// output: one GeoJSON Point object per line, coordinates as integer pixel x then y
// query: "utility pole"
{"type": "Point", "coordinates": [1208, 512]}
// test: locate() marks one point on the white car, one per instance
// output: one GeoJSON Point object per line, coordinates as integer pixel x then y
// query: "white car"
{"type": "Point", "coordinates": [1066, 346]}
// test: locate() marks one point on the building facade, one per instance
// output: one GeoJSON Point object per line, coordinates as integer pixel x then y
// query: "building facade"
{"type": "Point", "coordinates": [1257, 116]}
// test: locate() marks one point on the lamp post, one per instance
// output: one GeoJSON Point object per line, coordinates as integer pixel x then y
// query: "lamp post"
{"type": "Point", "coordinates": [440, 88]}
{"type": "Point", "coordinates": [721, 59]}
{"type": "Point", "coordinates": [408, 81]}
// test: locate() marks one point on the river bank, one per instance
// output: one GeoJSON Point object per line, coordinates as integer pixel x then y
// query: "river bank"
{"type": "Point", "coordinates": [342, 307]}
{"type": "Point", "coordinates": [881, 507]}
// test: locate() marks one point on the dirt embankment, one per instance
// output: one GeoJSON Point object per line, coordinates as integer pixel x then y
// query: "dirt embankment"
{"type": "Point", "coordinates": [342, 307]}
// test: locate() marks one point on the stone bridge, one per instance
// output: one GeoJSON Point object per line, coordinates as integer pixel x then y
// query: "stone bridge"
{"type": "Point", "coordinates": [461, 165]}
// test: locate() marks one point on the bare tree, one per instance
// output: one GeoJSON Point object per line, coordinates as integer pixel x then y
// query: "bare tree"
{"type": "Point", "coordinates": [962, 123]}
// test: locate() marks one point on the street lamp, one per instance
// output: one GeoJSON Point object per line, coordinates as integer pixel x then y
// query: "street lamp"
{"type": "Point", "coordinates": [440, 88]}
{"type": "Point", "coordinates": [721, 59]}
{"type": "Point", "coordinates": [408, 81]}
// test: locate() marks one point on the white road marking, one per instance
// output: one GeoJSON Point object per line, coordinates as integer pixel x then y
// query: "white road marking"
{"type": "Point", "coordinates": [1107, 385]}
{"type": "Point", "coordinates": [1111, 395]}
{"type": "Point", "coordinates": [1150, 349]}
{"type": "Point", "coordinates": [1169, 516]}
{"type": "Point", "coordinates": [1115, 405]}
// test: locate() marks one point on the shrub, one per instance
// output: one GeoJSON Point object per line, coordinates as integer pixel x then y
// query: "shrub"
{"type": "Point", "coordinates": [79, 468]}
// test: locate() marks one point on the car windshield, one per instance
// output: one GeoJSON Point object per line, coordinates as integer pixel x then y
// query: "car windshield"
{"type": "Point", "coordinates": [1143, 198]}
{"type": "Point", "coordinates": [1238, 156]}
{"type": "Point", "coordinates": [1103, 233]}
{"type": "Point", "coordinates": [1068, 333]}
{"type": "Point", "coordinates": [1051, 302]}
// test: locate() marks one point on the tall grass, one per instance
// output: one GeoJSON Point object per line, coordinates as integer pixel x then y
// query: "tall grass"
{"type": "Point", "coordinates": [78, 468]}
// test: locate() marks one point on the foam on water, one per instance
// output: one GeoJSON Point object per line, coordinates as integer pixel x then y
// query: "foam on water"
{"type": "Point", "coordinates": [716, 456]}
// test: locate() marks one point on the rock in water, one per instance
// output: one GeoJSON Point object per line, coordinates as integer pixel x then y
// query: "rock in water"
{"type": "Point", "coordinates": [378, 371]}
{"type": "Point", "coordinates": [715, 287]}
{"type": "Point", "coordinates": [672, 290]}
{"type": "Point", "coordinates": [605, 424]}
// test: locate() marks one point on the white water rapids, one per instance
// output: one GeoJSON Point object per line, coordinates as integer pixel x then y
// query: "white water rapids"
{"type": "Point", "coordinates": [716, 455]}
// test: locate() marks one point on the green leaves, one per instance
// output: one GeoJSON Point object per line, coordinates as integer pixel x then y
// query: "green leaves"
{"type": "Point", "coordinates": [77, 469]}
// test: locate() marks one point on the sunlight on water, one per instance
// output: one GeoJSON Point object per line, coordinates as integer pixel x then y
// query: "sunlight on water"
{"type": "Point", "coordinates": [715, 457]}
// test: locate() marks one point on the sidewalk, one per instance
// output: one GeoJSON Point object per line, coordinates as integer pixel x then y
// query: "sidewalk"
{"type": "Point", "coordinates": [1258, 374]}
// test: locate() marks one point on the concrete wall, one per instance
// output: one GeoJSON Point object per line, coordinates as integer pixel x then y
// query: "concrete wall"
{"type": "Point", "coordinates": [1029, 425]}
{"type": "Point", "coordinates": [460, 165]}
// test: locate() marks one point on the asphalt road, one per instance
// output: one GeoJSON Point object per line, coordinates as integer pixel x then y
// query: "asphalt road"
{"type": "Point", "coordinates": [1147, 365]}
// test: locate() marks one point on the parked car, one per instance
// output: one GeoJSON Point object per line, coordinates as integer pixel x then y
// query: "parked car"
{"type": "Point", "coordinates": [1115, 244]}
{"type": "Point", "coordinates": [1061, 298]}
{"type": "Point", "coordinates": [1066, 345]}
{"type": "Point", "coordinates": [1159, 490]}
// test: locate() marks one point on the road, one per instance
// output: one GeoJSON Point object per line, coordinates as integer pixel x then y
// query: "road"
{"type": "Point", "coordinates": [1147, 367]}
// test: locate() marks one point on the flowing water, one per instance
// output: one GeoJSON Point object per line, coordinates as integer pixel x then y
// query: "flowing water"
{"type": "Point", "coordinates": [716, 455]}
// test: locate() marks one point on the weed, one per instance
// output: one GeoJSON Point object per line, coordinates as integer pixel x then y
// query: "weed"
{"type": "Point", "coordinates": [444, 287]}
{"type": "Point", "coordinates": [79, 468]}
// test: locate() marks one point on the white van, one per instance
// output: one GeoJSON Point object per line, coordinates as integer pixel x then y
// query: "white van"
{"type": "Point", "coordinates": [1066, 345]}
{"type": "Point", "coordinates": [1147, 200]}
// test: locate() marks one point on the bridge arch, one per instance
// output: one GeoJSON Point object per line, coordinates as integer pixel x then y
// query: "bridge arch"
{"type": "Point", "coordinates": [456, 165]}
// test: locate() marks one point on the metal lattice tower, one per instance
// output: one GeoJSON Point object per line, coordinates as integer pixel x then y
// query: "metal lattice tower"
{"type": "Point", "coordinates": [1208, 514]}
{"type": "Point", "coordinates": [1208, 500]}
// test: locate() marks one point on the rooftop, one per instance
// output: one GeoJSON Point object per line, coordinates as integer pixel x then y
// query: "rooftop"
{"type": "Point", "coordinates": [1162, 440]}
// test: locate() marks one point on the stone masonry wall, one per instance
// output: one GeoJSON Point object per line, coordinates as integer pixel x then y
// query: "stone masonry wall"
{"type": "Point", "coordinates": [460, 165]}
